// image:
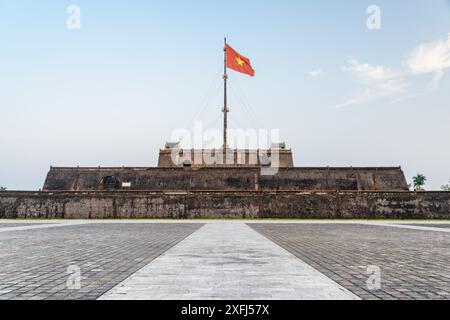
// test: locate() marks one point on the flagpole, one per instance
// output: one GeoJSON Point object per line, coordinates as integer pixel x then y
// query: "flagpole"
{"type": "Point", "coordinates": [225, 102]}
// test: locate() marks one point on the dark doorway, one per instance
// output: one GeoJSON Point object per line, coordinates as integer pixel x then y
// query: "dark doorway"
{"type": "Point", "coordinates": [111, 183]}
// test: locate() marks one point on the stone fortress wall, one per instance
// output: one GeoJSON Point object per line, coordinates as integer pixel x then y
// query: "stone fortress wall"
{"type": "Point", "coordinates": [223, 204]}
{"type": "Point", "coordinates": [240, 190]}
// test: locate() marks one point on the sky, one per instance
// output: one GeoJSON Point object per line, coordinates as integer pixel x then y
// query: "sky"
{"type": "Point", "coordinates": [112, 92]}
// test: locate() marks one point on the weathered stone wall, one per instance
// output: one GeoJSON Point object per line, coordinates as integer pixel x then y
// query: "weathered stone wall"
{"type": "Point", "coordinates": [229, 179]}
{"type": "Point", "coordinates": [250, 204]}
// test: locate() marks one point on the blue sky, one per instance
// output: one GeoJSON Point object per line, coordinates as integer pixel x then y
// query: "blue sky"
{"type": "Point", "coordinates": [112, 92]}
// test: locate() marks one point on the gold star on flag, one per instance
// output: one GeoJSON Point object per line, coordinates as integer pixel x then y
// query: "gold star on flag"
{"type": "Point", "coordinates": [239, 61]}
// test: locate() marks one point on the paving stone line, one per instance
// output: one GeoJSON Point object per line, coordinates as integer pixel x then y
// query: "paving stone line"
{"type": "Point", "coordinates": [227, 261]}
{"type": "Point", "coordinates": [28, 226]}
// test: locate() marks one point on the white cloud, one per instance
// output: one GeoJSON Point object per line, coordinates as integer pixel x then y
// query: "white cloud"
{"type": "Point", "coordinates": [368, 73]}
{"type": "Point", "coordinates": [349, 102]}
{"type": "Point", "coordinates": [378, 81]}
{"type": "Point", "coordinates": [433, 57]}
{"type": "Point", "coordinates": [315, 73]}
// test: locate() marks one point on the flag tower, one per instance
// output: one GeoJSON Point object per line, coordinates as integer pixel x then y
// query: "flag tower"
{"type": "Point", "coordinates": [225, 102]}
{"type": "Point", "coordinates": [237, 62]}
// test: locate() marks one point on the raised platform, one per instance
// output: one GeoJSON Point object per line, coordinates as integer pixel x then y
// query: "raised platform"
{"type": "Point", "coordinates": [169, 157]}
{"type": "Point", "coordinates": [225, 179]}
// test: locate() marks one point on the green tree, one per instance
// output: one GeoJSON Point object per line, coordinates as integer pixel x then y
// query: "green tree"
{"type": "Point", "coordinates": [419, 182]}
{"type": "Point", "coordinates": [446, 187]}
{"type": "Point", "coordinates": [2, 188]}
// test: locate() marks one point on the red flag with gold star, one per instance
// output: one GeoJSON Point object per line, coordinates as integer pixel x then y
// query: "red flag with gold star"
{"type": "Point", "coordinates": [238, 62]}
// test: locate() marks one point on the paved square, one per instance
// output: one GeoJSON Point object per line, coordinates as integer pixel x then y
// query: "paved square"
{"type": "Point", "coordinates": [415, 264]}
{"type": "Point", "coordinates": [34, 262]}
{"type": "Point", "coordinates": [281, 259]}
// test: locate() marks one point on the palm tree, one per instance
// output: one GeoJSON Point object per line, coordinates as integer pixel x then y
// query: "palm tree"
{"type": "Point", "coordinates": [419, 182]}
{"type": "Point", "coordinates": [2, 188]}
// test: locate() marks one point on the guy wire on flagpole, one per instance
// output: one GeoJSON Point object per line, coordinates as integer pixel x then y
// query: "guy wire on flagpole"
{"type": "Point", "coordinates": [225, 107]}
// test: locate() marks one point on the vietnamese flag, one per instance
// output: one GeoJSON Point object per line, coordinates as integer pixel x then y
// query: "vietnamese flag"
{"type": "Point", "coordinates": [238, 62]}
